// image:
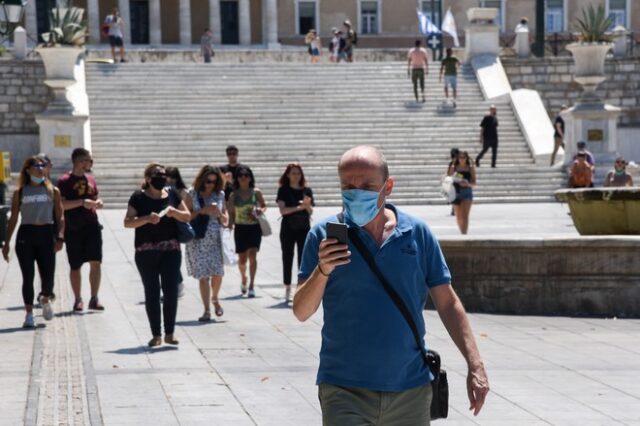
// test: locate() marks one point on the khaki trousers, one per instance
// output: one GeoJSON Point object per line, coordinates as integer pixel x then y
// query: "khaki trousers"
{"type": "Point", "coordinates": [362, 407]}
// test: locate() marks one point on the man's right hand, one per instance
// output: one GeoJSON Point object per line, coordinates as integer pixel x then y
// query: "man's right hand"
{"type": "Point", "coordinates": [332, 255]}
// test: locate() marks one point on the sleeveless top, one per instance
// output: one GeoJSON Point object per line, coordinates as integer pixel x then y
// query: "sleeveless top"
{"type": "Point", "coordinates": [244, 209]}
{"type": "Point", "coordinates": [466, 175]}
{"type": "Point", "coordinates": [36, 205]}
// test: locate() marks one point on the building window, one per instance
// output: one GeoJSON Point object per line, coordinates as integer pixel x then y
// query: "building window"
{"type": "Point", "coordinates": [496, 4]}
{"type": "Point", "coordinates": [369, 17]}
{"type": "Point", "coordinates": [425, 6]}
{"type": "Point", "coordinates": [618, 12]}
{"type": "Point", "coordinates": [554, 16]}
{"type": "Point", "coordinates": [306, 16]}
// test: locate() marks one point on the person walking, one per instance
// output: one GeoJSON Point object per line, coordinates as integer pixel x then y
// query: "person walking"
{"type": "Point", "coordinates": [464, 179]}
{"type": "Point", "coordinates": [334, 45]}
{"type": "Point", "coordinates": [204, 255]}
{"type": "Point", "coordinates": [489, 136]}
{"type": "Point", "coordinates": [206, 45]}
{"type": "Point", "coordinates": [230, 169]}
{"type": "Point", "coordinates": [449, 66]}
{"type": "Point", "coordinates": [157, 250]}
{"type": "Point", "coordinates": [350, 41]}
{"type": "Point", "coordinates": [315, 46]}
{"type": "Point", "coordinates": [369, 353]}
{"type": "Point", "coordinates": [83, 232]}
{"type": "Point", "coordinates": [176, 183]}
{"type": "Point", "coordinates": [558, 135]}
{"type": "Point", "coordinates": [417, 67]}
{"type": "Point", "coordinates": [38, 205]}
{"type": "Point", "coordinates": [619, 175]}
{"type": "Point", "coordinates": [245, 204]}
{"type": "Point", "coordinates": [454, 156]}
{"type": "Point", "coordinates": [295, 201]}
{"type": "Point", "coordinates": [116, 36]}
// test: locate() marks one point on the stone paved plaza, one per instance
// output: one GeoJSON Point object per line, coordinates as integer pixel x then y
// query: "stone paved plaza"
{"type": "Point", "coordinates": [257, 365]}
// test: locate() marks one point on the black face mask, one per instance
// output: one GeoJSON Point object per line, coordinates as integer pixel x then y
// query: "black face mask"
{"type": "Point", "coordinates": [158, 182]}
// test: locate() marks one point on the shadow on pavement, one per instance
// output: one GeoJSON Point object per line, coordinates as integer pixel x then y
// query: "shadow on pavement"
{"type": "Point", "coordinates": [196, 323]}
{"type": "Point", "coordinates": [137, 350]}
{"type": "Point", "coordinates": [15, 308]}
{"type": "Point", "coordinates": [280, 305]}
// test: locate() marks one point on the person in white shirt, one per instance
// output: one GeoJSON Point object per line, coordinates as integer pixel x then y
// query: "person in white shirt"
{"type": "Point", "coordinates": [116, 37]}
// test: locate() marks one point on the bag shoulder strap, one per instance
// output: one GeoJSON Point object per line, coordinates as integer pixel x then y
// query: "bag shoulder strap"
{"type": "Point", "coordinates": [431, 359]}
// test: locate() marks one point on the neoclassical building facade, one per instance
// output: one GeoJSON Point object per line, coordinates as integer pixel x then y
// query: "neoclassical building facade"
{"type": "Point", "coordinates": [380, 23]}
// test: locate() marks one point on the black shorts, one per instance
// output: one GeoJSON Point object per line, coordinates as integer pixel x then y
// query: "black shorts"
{"type": "Point", "coordinates": [246, 237]}
{"type": "Point", "coordinates": [115, 41]}
{"type": "Point", "coordinates": [84, 245]}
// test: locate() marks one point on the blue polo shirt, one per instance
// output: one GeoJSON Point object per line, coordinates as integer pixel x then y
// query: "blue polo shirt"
{"type": "Point", "coordinates": [366, 343]}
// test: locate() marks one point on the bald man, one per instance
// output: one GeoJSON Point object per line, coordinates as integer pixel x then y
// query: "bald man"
{"type": "Point", "coordinates": [371, 371]}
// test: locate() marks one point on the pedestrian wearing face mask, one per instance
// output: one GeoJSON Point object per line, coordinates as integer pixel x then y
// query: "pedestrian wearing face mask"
{"type": "Point", "coordinates": [153, 214]}
{"type": "Point", "coordinates": [361, 322]}
{"type": "Point", "coordinates": [41, 234]}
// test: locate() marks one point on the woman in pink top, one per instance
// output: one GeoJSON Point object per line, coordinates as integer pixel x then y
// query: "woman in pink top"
{"type": "Point", "coordinates": [417, 67]}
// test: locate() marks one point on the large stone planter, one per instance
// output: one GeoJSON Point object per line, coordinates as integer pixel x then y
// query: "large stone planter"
{"type": "Point", "coordinates": [60, 68]}
{"type": "Point", "coordinates": [603, 211]}
{"type": "Point", "coordinates": [589, 64]}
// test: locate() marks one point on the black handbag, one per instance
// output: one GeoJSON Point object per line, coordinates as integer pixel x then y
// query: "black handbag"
{"type": "Point", "coordinates": [440, 386]}
{"type": "Point", "coordinates": [185, 231]}
{"type": "Point", "coordinates": [200, 223]}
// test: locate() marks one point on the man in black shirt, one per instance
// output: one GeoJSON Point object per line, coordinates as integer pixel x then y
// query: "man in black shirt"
{"type": "Point", "coordinates": [489, 136]}
{"type": "Point", "coordinates": [230, 170]}
{"type": "Point", "coordinates": [558, 136]}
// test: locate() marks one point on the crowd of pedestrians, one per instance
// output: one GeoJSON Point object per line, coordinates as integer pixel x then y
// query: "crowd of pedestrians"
{"type": "Point", "coordinates": [341, 47]}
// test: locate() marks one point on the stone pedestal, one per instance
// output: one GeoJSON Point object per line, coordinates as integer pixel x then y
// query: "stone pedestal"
{"type": "Point", "coordinates": [20, 43]}
{"type": "Point", "coordinates": [482, 33]}
{"type": "Point", "coordinates": [522, 45]}
{"type": "Point", "coordinates": [64, 125]}
{"type": "Point", "coordinates": [620, 41]}
{"type": "Point", "coordinates": [596, 124]}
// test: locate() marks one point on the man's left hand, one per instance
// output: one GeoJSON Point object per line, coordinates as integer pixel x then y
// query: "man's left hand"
{"type": "Point", "coordinates": [477, 388]}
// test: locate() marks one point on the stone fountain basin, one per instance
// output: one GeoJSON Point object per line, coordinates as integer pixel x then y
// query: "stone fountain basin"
{"type": "Point", "coordinates": [603, 211]}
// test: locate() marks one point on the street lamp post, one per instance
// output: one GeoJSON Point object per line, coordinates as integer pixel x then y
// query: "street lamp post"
{"type": "Point", "coordinates": [11, 13]}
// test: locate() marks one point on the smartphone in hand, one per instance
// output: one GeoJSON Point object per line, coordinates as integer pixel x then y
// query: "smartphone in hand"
{"type": "Point", "coordinates": [337, 231]}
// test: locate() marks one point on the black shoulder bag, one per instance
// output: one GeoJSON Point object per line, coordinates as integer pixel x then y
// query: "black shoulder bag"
{"type": "Point", "coordinates": [440, 385]}
{"type": "Point", "coordinates": [185, 231]}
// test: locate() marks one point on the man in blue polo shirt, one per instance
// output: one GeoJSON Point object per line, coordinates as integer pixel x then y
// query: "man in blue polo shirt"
{"type": "Point", "coordinates": [371, 371]}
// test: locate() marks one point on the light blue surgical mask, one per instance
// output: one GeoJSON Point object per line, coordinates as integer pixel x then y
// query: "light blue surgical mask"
{"type": "Point", "coordinates": [37, 179]}
{"type": "Point", "coordinates": [361, 205]}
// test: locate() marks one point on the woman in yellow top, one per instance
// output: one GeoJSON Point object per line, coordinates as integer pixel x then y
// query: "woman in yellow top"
{"type": "Point", "coordinates": [245, 204]}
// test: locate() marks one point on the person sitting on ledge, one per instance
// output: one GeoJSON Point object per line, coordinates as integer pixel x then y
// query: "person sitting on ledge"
{"type": "Point", "coordinates": [619, 176]}
{"type": "Point", "coordinates": [580, 175]}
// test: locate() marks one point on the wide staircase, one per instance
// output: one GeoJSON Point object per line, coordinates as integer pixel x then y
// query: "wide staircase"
{"type": "Point", "coordinates": [186, 114]}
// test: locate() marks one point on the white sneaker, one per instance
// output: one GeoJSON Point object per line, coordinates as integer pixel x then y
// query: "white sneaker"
{"type": "Point", "coordinates": [287, 294]}
{"type": "Point", "coordinates": [252, 293]}
{"type": "Point", "coordinates": [28, 321]}
{"type": "Point", "coordinates": [47, 311]}
{"type": "Point", "coordinates": [180, 289]}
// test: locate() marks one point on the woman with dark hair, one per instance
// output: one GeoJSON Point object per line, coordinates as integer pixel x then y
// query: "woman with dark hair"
{"type": "Point", "coordinates": [246, 203]}
{"type": "Point", "coordinates": [464, 178]}
{"type": "Point", "coordinates": [295, 200]}
{"type": "Point", "coordinates": [204, 255]}
{"type": "Point", "coordinates": [176, 184]}
{"type": "Point", "coordinates": [153, 215]}
{"type": "Point", "coordinates": [40, 235]}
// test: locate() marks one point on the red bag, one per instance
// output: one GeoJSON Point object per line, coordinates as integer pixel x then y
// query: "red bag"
{"type": "Point", "coordinates": [104, 30]}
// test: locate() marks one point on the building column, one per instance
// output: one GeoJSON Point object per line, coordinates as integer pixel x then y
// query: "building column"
{"type": "Point", "coordinates": [31, 21]}
{"type": "Point", "coordinates": [125, 14]}
{"type": "Point", "coordinates": [214, 21]}
{"type": "Point", "coordinates": [93, 21]}
{"type": "Point", "coordinates": [244, 13]}
{"type": "Point", "coordinates": [271, 7]}
{"type": "Point", "coordinates": [155, 23]}
{"type": "Point", "coordinates": [185, 22]}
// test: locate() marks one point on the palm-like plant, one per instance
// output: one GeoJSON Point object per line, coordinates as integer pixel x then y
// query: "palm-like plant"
{"type": "Point", "coordinates": [594, 25]}
{"type": "Point", "coordinates": [66, 27]}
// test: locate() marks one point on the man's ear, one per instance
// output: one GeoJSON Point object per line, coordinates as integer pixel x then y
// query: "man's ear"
{"type": "Point", "coordinates": [389, 186]}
